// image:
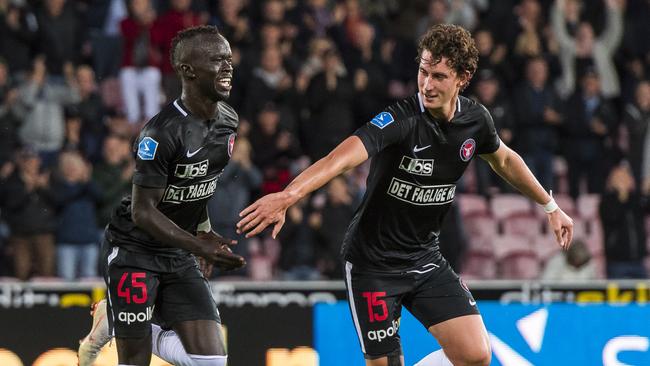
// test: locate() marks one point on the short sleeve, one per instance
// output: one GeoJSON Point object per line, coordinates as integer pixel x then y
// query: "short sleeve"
{"type": "Point", "coordinates": [489, 139]}
{"type": "Point", "coordinates": [380, 132]}
{"type": "Point", "coordinates": [154, 151]}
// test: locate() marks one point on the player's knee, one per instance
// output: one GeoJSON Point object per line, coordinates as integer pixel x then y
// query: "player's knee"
{"type": "Point", "coordinates": [476, 356]}
{"type": "Point", "coordinates": [211, 360]}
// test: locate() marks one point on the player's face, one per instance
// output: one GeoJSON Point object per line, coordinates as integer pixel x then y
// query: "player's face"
{"type": "Point", "coordinates": [437, 83]}
{"type": "Point", "coordinates": [213, 68]}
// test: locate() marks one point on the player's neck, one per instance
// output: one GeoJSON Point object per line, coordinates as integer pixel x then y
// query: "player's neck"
{"type": "Point", "coordinates": [445, 112]}
{"type": "Point", "coordinates": [201, 107]}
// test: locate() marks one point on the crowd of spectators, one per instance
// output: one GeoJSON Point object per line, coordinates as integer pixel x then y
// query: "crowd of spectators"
{"type": "Point", "coordinates": [566, 81]}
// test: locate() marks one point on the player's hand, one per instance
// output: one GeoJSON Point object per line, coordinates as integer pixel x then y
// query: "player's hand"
{"type": "Point", "coordinates": [270, 209]}
{"type": "Point", "coordinates": [216, 250]}
{"type": "Point", "coordinates": [562, 226]}
{"type": "Point", "coordinates": [205, 267]}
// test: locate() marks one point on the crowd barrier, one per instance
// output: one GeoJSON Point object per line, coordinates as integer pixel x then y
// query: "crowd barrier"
{"type": "Point", "coordinates": [308, 323]}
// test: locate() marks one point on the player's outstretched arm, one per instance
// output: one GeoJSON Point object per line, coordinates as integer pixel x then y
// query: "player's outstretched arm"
{"type": "Point", "coordinates": [511, 167]}
{"type": "Point", "coordinates": [271, 209]}
{"type": "Point", "coordinates": [146, 216]}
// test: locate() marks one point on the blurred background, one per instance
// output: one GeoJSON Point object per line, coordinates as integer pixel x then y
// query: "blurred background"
{"type": "Point", "coordinates": [567, 83]}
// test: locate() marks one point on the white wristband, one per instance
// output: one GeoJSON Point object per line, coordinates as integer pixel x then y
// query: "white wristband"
{"type": "Point", "coordinates": [551, 206]}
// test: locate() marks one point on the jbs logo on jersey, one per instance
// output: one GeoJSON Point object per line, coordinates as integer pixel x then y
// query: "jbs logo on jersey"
{"type": "Point", "coordinates": [194, 192]}
{"type": "Point", "coordinates": [421, 195]}
{"type": "Point", "coordinates": [417, 166]}
{"type": "Point", "coordinates": [190, 171]}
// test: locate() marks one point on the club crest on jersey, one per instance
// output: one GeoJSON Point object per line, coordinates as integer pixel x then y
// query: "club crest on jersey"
{"type": "Point", "coordinates": [231, 143]}
{"type": "Point", "coordinates": [467, 149]}
{"type": "Point", "coordinates": [383, 119]}
{"type": "Point", "coordinates": [147, 148]}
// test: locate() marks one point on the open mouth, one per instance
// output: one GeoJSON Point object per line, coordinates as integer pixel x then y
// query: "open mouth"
{"type": "Point", "coordinates": [225, 82]}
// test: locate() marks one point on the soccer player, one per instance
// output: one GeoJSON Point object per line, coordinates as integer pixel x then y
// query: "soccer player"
{"type": "Point", "coordinates": [420, 147]}
{"type": "Point", "coordinates": [151, 271]}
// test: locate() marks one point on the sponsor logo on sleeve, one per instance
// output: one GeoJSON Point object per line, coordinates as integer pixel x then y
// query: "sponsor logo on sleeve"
{"type": "Point", "coordinates": [147, 148]}
{"type": "Point", "coordinates": [421, 195]}
{"type": "Point", "coordinates": [417, 166]}
{"type": "Point", "coordinates": [383, 119]}
{"type": "Point", "coordinates": [467, 149]}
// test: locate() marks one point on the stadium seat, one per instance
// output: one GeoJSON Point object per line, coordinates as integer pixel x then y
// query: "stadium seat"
{"type": "Point", "coordinates": [505, 245]}
{"type": "Point", "coordinates": [508, 204]}
{"type": "Point", "coordinates": [470, 204]}
{"type": "Point", "coordinates": [480, 226]}
{"type": "Point", "coordinates": [522, 265]}
{"type": "Point", "coordinates": [545, 245]}
{"type": "Point", "coordinates": [480, 264]}
{"type": "Point", "coordinates": [522, 224]}
{"type": "Point", "coordinates": [588, 206]}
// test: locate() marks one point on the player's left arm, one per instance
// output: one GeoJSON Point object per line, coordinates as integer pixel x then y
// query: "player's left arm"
{"type": "Point", "coordinates": [511, 167]}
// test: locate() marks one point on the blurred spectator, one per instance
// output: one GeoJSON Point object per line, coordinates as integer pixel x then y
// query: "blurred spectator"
{"type": "Point", "coordinates": [72, 137]}
{"type": "Point", "coordinates": [76, 235]}
{"type": "Point", "coordinates": [368, 74]}
{"type": "Point", "coordinates": [330, 224]}
{"type": "Point", "coordinates": [139, 73]}
{"type": "Point", "coordinates": [297, 238]}
{"type": "Point", "coordinates": [9, 117]}
{"type": "Point", "coordinates": [112, 176]}
{"type": "Point", "coordinates": [239, 178]}
{"type": "Point", "coordinates": [573, 265]}
{"type": "Point", "coordinates": [584, 50]}
{"type": "Point", "coordinates": [645, 165]}
{"type": "Point", "coordinates": [492, 56]}
{"type": "Point", "coordinates": [18, 32]}
{"type": "Point", "coordinates": [103, 21]}
{"type": "Point", "coordinates": [488, 93]}
{"type": "Point", "coordinates": [91, 111]}
{"type": "Point", "coordinates": [460, 12]}
{"type": "Point", "coordinates": [589, 125]}
{"type": "Point", "coordinates": [623, 226]}
{"type": "Point", "coordinates": [330, 99]}
{"type": "Point", "coordinates": [232, 23]}
{"type": "Point", "coordinates": [29, 211]}
{"type": "Point", "coordinates": [177, 18]}
{"type": "Point", "coordinates": [636, 119]}
{"type": "Point", "coordinates": [61, 34]}
{"type": "Point", "coordinates": [270, 82]}
{"type": "Point", "coordinates": [274, 148]}
{"type": "Point", "coordinates": [43, 100]}
{"type": "Point", "coordinates": [537, 111]}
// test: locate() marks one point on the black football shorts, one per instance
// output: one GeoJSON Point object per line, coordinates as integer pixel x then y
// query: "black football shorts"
{"type": "Point", "coordinates": [145, 287]}
{"type": "Point", "coordinates": [433, 293]}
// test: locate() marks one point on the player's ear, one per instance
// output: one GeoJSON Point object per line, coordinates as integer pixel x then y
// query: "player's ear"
{"type": "Point", "coordinates": [187, 71]}
{"type": "Point", "coordinates": [463, 79]}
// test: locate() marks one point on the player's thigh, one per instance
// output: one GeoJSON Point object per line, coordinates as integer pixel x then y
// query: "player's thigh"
{"type": "Point", "coordinates": [464, 340]}
{"type": "Point", "coordinates": [445, 306]}
{"type": "Point", "coordinates": [185, 304]}
{"type": "Point", "coordinates": [201, 337]}
{"type": "Point", "coordinates": [132, 291]}
{"type": "Point", "coordinates": [375, 305]}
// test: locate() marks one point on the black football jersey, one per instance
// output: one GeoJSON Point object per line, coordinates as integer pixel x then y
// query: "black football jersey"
{"type": "Point", "coordinates": [416, 162]}
{"type": "Point", "coordinates": [185, 155]}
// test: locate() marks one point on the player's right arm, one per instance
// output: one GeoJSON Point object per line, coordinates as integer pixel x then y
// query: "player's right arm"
{"type": "Point", "coordinates": [145, 215]}
{"type": "Point", "coordinates": [273, 207]}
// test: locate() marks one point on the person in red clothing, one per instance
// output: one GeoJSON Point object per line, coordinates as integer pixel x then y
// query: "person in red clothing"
{"type": "Point", "coordinates": [140, 72]}
{"type": "Point", "coordinates": [177, 18]}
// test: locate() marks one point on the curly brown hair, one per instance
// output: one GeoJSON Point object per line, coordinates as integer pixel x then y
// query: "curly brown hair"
{"type": "Point", "coordinates": [453, 42]}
